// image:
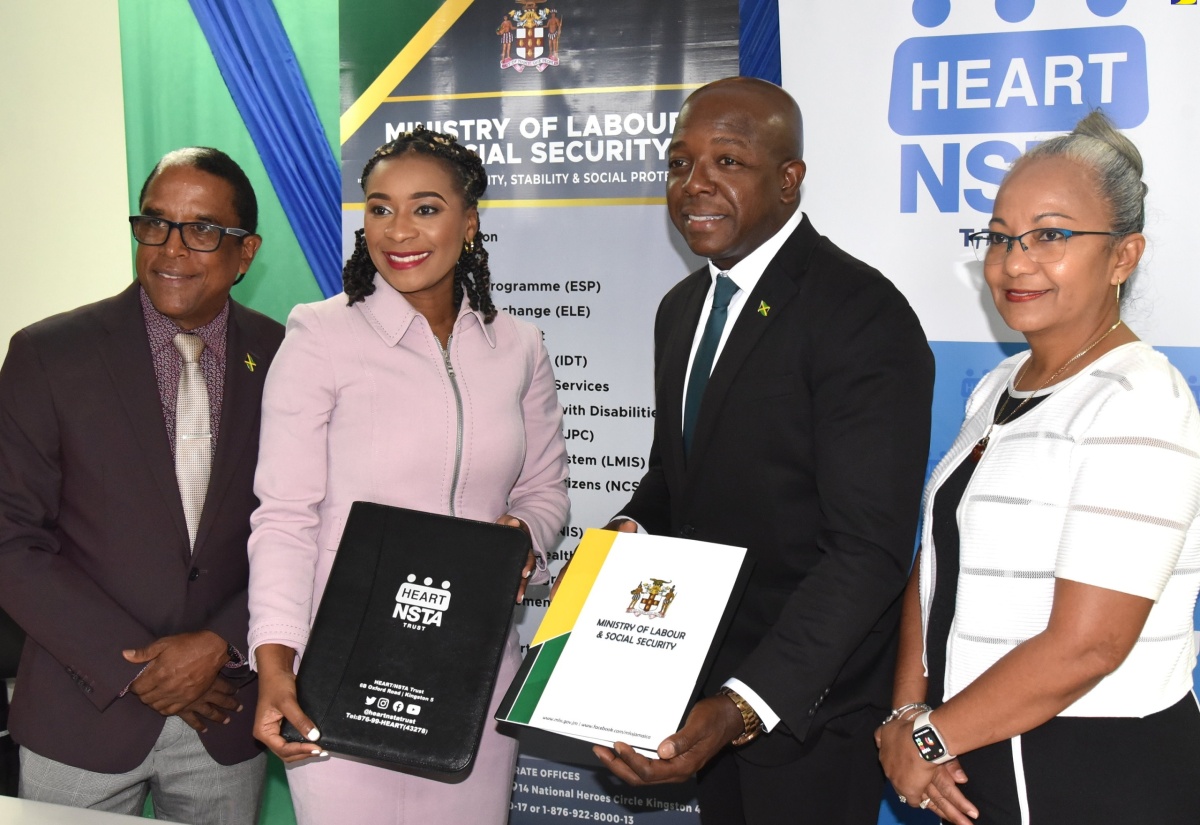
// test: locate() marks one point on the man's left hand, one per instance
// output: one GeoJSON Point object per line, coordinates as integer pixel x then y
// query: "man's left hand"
{"type": "Point", "coordinates": [712, 724]}
{"type": "Point", "coordinates": [216, 705]}
{"type": "Point", "coordinates": [181, 668]}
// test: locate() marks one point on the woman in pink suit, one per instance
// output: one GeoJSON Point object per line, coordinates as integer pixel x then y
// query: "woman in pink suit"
{"type": "Point", "coordinates": [417, 393]}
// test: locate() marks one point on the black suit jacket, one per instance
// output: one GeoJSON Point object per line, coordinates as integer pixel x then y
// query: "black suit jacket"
{"type": "Point", "coordinates": [94, 555]}
{"type": "Point", "coordinates": [810, 451]}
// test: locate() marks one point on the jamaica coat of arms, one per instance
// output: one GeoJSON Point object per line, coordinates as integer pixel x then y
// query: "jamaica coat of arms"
{"type": "Point", "coordinates": [651, 598]}
{"type": "Point", "coordinates": [529, 36]}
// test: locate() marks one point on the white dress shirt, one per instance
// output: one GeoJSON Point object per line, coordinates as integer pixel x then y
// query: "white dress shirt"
{"type": "Point", "coordinates": [746, 274]}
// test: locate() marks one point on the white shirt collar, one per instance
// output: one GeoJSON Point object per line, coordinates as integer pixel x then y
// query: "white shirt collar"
{"type": "Point", "coordinates": [748, 270]}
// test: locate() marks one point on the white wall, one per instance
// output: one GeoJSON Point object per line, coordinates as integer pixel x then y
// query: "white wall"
{"type": "Point", "coordinates": [63, 188]}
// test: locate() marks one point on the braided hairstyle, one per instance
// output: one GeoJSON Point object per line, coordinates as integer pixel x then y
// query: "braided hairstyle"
{"type": "Point", "coordinates": [471, 274]}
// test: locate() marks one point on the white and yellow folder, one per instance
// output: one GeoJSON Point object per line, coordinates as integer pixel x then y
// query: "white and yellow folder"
{"type": "Point", "coordinates": [623, 646]}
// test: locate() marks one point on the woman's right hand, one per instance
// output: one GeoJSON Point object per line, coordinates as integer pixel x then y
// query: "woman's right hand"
{"type": "Point", "coordinates": [277, 701]}
{"type": "Point", "coordinates": [917, 781]}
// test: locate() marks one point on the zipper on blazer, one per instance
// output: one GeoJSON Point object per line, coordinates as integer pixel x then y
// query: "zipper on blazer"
{"type": "Point", "coordinates": [458, 441]}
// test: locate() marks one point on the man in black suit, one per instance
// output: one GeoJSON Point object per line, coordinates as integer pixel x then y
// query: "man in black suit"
{"type": "Point", "coordinates": [798, 429]}
{"type": "Point", "coordinates": [128, 442]}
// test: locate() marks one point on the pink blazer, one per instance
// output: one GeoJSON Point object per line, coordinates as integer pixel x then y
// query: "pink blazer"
{"type": "Point", "coordinates": [359, 405]}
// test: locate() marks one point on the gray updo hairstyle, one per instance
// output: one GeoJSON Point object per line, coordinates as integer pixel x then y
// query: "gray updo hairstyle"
{"type": "Point", "coordinates": [1116, 162]}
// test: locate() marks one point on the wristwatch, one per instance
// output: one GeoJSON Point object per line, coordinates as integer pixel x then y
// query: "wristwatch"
{"type": "Point", "coordinates": [929, 741]}
{"type": "Point", "coordinates": [752, 724]}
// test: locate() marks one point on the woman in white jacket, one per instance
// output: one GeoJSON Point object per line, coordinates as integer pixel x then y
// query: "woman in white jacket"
{"type": "Point", "coordinates": [1047, 646]}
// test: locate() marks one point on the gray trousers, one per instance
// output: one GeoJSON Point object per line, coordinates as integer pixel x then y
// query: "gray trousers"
{"type": "Point", "coordinates": [184, 782]}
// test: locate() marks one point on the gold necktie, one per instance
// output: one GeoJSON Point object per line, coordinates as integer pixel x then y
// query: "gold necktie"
{"type": "Point", "coordinates": [193, 434]}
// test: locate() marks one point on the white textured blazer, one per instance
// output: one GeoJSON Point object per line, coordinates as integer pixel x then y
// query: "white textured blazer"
{"type": "Point", "coordinates": [1100, 484]}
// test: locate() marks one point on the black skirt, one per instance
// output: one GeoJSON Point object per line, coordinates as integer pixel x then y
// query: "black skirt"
{"type": "Point", "coordinates": [1093, 771]}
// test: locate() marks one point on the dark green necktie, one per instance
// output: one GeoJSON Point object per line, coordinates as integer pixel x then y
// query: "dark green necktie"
{"type": "Point", "coordinates": [705, 353]}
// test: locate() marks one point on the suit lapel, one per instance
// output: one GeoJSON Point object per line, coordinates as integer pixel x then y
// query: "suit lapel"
{"type": "Point", "coordinates": [126, 354]}
{"type": "Point", "coordinates": [776, 289]}
{"type": "Point", "coordinates": [239, 417]}
{"type": "Point", "coordinates": [678, 348]}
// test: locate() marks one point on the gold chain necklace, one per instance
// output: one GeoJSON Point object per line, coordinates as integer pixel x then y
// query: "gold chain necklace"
{"type": "Point", "coordinates": [1001, 419]}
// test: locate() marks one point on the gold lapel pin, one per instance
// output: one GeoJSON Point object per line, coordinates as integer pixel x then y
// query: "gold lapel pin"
{"type": "Point", "coordinates": [763, 308]}
{"type": "Point", "coordinates": [250, 362]}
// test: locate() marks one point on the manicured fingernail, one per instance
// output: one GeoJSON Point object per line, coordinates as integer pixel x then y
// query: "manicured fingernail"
{"type": "Point", "coordinates": [324, 753]}
{"type": "Point", "coordinates": [314, 735]}
{"type": "Point", "coordinates": [240, 708]}
{"type": "Point", "coordinates": [316, 751]}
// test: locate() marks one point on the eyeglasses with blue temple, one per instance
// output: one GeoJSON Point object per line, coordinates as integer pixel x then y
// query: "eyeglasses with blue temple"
{"type": "Point", "coordinates": [1045, 245]}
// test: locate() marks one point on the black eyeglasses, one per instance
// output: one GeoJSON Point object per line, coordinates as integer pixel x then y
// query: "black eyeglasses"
{"type": "Point", "coordinates": [198, 237]}
{"type": "Point", "coordinates": [1045, 246]}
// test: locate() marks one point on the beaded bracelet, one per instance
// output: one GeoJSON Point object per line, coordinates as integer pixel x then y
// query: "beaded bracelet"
{"type": "Point", "coordinates": [900, 711]}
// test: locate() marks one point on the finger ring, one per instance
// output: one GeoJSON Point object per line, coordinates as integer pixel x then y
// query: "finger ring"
{"type": "Point", "coordinates": [903, 799]}
{"type": "Point", "coordinates": [925, 803]}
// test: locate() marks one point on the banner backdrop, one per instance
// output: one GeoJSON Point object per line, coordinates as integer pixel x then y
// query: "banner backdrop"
{"type": "Point", "coordinates": [917, 108]}
{"type": "Point", "coordinates": [945, 96]}
{"type": "Point", "coordinates": [571, 106]}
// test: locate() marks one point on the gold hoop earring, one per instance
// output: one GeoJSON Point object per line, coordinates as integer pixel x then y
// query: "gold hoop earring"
{"type": "Point", "coordinates": [1118, 294]}
{"type": "Point", "coordinates": [469, 246]}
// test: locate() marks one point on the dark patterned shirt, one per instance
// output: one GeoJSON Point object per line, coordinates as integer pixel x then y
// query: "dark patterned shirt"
{"type": "Point", "coordinates": [168, 367]}
{"type": "Point", "coordinates": [168, 363]}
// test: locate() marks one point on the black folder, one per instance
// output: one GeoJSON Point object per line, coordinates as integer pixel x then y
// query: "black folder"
{"type": "Point", "coordinates": [403, 655]}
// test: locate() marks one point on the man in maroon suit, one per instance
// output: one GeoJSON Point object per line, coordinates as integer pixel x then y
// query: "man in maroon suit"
{"type": "Point", "coordinates": [128, 440]}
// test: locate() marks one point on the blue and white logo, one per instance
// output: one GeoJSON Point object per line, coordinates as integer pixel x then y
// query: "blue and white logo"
{"type": "Point", "coordinates": [1010, 82]}
{"type": "Point", "coordinates": [1042, 81]}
